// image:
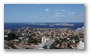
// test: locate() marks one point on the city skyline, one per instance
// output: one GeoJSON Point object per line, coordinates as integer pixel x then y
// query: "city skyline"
{"type": "Point", "coordinates": [14, 13]}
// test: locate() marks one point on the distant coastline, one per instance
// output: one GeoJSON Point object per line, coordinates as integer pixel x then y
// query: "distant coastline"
{"type": "Point", "coordinates": [43, 25]}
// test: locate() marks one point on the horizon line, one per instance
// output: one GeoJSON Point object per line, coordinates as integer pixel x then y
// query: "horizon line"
{"type": "Point", "coordinates": [43, 22]}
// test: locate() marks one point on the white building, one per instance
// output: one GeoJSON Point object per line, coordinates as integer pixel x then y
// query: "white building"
{"type": "Point", "coordinates": [49, 42]}
{"type": "Point", "coordinates": [45, 39]}
{"type": "Point", "coordinates": [80, 45]}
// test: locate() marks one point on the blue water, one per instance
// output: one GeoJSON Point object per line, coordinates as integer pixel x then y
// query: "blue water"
{"type": "Point", "coordinates": [35, 25]}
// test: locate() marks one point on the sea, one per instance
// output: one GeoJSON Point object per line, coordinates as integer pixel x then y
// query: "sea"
{"type": "Point", "coordinates": [41, 25]}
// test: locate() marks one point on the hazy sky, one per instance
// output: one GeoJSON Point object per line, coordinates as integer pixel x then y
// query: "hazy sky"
{"type": "Point", "coordinates": [43, 13]}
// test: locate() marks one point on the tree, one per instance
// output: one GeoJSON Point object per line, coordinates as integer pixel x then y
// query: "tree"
{"type": "Point", "coordinates": [11, 36]}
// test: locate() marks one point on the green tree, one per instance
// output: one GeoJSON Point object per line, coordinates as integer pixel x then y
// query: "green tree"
{"type": "Point", "coordinates": [11, 36]}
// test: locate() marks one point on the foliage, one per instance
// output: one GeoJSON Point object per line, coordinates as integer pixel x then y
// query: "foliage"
{"type": "Point", "coordinates": [11, 36]}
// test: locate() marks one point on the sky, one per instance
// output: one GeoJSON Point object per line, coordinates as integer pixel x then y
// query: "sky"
{"type": "Point", "coordinates": [19, 13]}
